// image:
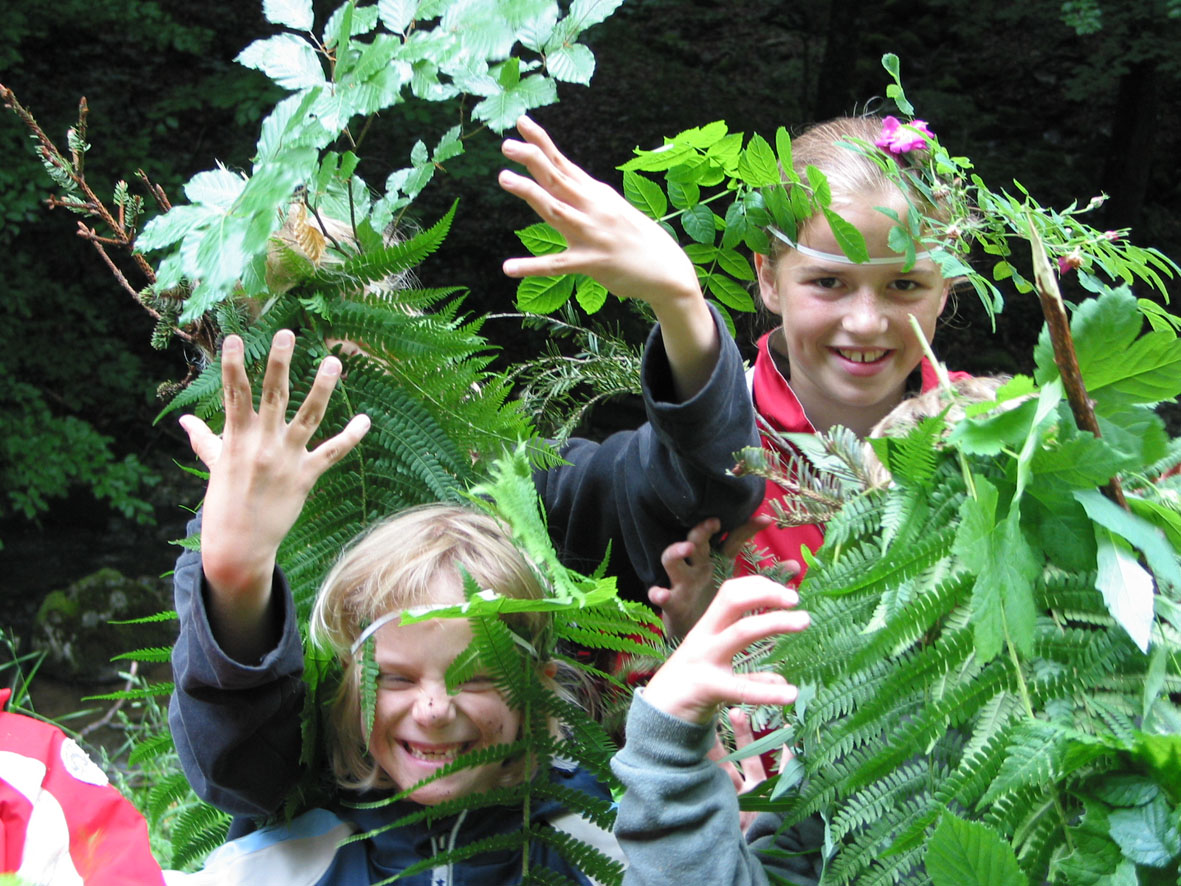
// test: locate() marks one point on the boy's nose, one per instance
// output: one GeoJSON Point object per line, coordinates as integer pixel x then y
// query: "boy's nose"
{"type": "Point", "coordinates": [434, 706]}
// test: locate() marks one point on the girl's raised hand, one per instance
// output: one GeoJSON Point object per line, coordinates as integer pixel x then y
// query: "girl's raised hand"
{"type": "Point", "coordinates": [699, 675]}
{"type": "Point", "coordinates": [610, 240]}
{"type": "Point", "coordinates": [606, 236]}
{"type": "Point", "coordinates": [260, 474]}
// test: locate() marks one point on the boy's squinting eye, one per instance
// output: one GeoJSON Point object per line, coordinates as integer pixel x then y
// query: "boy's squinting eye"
{"type": "Point", "coordinates": [393, 681]}
{"type": "Point", "coordinates": [478, 683]}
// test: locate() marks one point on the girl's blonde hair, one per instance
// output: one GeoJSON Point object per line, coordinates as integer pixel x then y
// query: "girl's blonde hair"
{"type": "Point", "coordinates": [402, 562]}
{"type": "Point", "coordinates": [837, 148]}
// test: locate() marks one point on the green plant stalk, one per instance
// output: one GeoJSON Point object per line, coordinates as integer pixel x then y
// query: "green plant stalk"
{"type": "Point", "coordinates": [945, 383]}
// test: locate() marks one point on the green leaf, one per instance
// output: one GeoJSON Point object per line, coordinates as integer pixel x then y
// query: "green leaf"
{"type": "Point", "coordinates": [729, 293]}
{"type": "Point", "coordinates": [757, 165]}
{"type": "Point", "coordinates": [683, 195]}
{"type": "Point", "coordinates": [510, 73]}
{"type": "Point", "coordinates": [783, 150]}
{"type": "Point", "coordinates": [699, 223]}
{"type": "Point", "coordinates": [851, 240]}
{"type": "Point", "coordinates": [289, 60]}
{"type": "Point", "coordinates": [590, 294]}
{"type": "Point", "coordinates": [894, 90]}
{"type": "Point", "coordinates": [544, 295]}
{"type": "Point", "coordinates": [966, 853]}
{"type": "Point", "coordinates": [571, 63]}
{"type": "Point", "coordinates": [1147, 834]}
{"type": "Point", "coordinates": [541, 239]}
{"type": "Point", "coordinates": [591, 12]}
{"type": "Point", "coordinates": [397, 15]}
{"type": "Point", "coordinates": [736, 265]}
{"type": "Point", "coordinates": [501, 111]}
{"type": "Point", "coordinates": [644, 194]}
{"type": "Point", "coordinates": [1162, 755]}
{"type": "Point", "coordinates": [294, 14]}
{"type": "Point", "coordinates": [1161, 557]}
{"type": "Point", "coordinates": [1126, 586]}
{"type": "Point", "coordinates": [821, 193]}
{"type": "Point", "coordinates": [218, 188]}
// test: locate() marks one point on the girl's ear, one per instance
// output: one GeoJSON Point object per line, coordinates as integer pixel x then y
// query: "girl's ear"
{"type": "Point", "coordinates": [946, 292]}
{"type": "Point", "coordinates": [768, 288]}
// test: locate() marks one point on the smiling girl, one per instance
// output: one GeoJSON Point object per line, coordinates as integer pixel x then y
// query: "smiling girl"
{"type": "Point", "coordinates": [845, 352]}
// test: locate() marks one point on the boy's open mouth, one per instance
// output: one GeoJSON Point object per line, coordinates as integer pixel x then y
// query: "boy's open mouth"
{"type": "Point", "coordinates": [436, 753]}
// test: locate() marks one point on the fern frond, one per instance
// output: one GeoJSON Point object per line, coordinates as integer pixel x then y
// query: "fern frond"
{"type": "Point", "coordinates": [198, 830]}
{"type": "Point", "coordinates": [584, 856]}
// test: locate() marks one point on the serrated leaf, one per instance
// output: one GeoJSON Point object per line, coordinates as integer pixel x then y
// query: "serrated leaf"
{"type": "Point", "coordinates": [645, 195]}
{"type": "Point", "coordinates": [218, 188]}
{"type": "Point", "coordinates": [571, 63]}
{"type": "Point", "coordinates": [821, 193]}
{"type": "Point", "coordinates": [590, 294]}
{"type": "Point", "coordinates": [502, 111]}
{"type": "Point", "coordinates": [783, 150]}
{"type": "Point", "coordinates": [591, 12]}
{"type": "Point", "coordinates": [757, 165]}
{"type": "Point", "coordinates": [967, 853]}
{"type": "Point", "coordinates": [294, 14]}
{"type": "Point", "coordinates": [541, 239]}
{"type": "Point", "coordinates": [851, 240]}
{"type": "Point", "coordinates": [683, 195]}
{"type": "Point", "coordinates": [449, 146]}
{"type": "Point", "coordinates": [1161, 557]}
{"type": "Point", "coordinates": [1147, 834]}
{"type": "Point", "coordinates": [289, 60]}
{"type": "Point", "coordinates": [698, 223]}
{"type": "Point", "coordinates": [730, 293]}
{"type": "Point", "coordinates": [1127, 588]}
{"type": "Point", "coordinates": [396, 15]}
{"type": "Point", "coordinates": [543, 295]}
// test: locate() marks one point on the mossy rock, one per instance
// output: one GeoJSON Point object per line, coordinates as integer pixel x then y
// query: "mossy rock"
{"type": "Point", "coordinates": [74, 625]}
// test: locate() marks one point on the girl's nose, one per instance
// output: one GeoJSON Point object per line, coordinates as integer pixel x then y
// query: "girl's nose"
{"type": "Point", "coordinates": [865, 316]}
{"type": "Point", "coordinates": [433, 706]}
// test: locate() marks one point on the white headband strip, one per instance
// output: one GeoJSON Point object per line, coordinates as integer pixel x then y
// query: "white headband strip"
{"type": "Point", "coordinates": [377, 624]}
{"type": "Point", "coordinates": [843, 259]}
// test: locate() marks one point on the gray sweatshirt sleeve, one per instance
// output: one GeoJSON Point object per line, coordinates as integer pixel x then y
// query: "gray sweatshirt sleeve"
{"type": "Point", "coordinates": [678, 820]}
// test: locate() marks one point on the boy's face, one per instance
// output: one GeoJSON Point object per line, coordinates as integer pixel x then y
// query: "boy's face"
{"type": "Point", "coordinates": [846, 332]}
{"type": "Point", "coordinates": [418, 728]}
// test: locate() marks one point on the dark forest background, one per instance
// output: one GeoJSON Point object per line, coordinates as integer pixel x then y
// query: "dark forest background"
{"type": "Point", "coordinates": [1070, 99]}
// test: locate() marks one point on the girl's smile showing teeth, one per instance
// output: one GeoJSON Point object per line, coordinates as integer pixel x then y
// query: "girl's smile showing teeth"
{"type": "Point", "coordinates": [862, 356]}
{"type": "Point", "coordinates": [435, 753]}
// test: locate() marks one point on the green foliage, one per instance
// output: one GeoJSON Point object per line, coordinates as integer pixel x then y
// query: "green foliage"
{"type": "Point", "coordinates": [985, 703]}
{"type": "Point", "coordinates": [726, 191]}
{"type": "Point", "coordinates": [363, 60]}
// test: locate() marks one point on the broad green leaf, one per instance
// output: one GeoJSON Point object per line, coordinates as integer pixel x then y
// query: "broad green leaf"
{"type": "Point", "coordinates": [1126, 586]}
{"type": "Point", "coordinates": [645, 195]}
{"type": "Point", "coordinates": [725, 153]}
{"type": "Point", "coordinates": [1126, 790]}
{"type": "Point", "coordinates": [590, 294]}
{"type": "Point", "coordinates": [396, 15]}
{"type": "Point", "coordinates": [736, 265]}
{"type": "Point", "coordinates": [757, 165]}
{"type": "Point", "coordinates": [818, 181]}
{"type": "Point", "coordinates": [736, 224]}
{"type": "Point", "coordinates": [1081, 461]}
{"type": "Point", "coordinates": [541, 239]}
{"type": "Point", "coordinates": [1062, 527]}
{"type": "Point", "coordinates": [572, 64]}
{"type": "Point", "coordinates": [289, 60]}
{"type": "Point", "coordinates": [783, 150]}
{"type": "Point", "coordinates": [591, 12]}
{"type": "Point", "coordinates": [659, 159]}
{"type": "Point", "coordinates": [1147, 372]}
{"type": "Point", "coordinates": [218, 188]}
{"type": "Point", "coordinates": [683, 196]}
{"type": "Point", "coordinates": [544, 295]}
{"type": "Point", "coordinates": [449, 146]}
{"type": "Point", "coordinates": [703, 137]}
{"type": "Point", "coordinates": [1147, 834]}
{"type": "Point", "coordinates": [1165, 518]}
{"type": "Point", "coordinates": [172, 226]}
{"type": "Point", "coordinates": [851, 240]}
{"type": "Point", "coordinates": [990, 434]}
{"type": "Point", "coordinates": [509, 73]}
{"type": "Point", "coordinates": [1162, 755]}
{"type": "Point", "coordinates": [294, 14]}
{"type": "Point", "coordinates": [1099, 327]}
{"type": "Point", "coordinates": [894, 90]}
{"type": "Point", "coordinates": [1161, 557]}
{"type": "Point", "coordinates": [699, 224]}
{"type": "Point", "coordinates": [534, 23]}
{"type": "Point", "coordinates": [729, 293]}
{"type": "Point", "coordinates": [502, 111]}
{"type": "Point", "coordinates": [967, 853]}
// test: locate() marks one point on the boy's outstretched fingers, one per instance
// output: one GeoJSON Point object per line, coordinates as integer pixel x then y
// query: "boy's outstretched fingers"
{"type": "Point", "coordinates": [690, 569]}
{"type": "Point", "coordinates": [699, 675]}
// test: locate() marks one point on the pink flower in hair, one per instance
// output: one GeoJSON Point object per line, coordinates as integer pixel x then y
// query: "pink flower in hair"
{"type": "Point", "coordinates": [898, 138]}
{"type": "Point", "coordinates": [1067, 263]}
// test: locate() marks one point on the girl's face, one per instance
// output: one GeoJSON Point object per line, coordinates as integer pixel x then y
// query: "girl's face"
{"type": "Point", "coordinates": [846, 333]}
{"type": "Point", "coordinates": [418, 728]}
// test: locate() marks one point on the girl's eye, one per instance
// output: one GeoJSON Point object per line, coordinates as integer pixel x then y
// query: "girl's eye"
{"type": "Point", "coordinates": [907, 285]}
{"type": "Point", "coordinates": [478, 683]}
{"type": "Point", "coordinates": [826, 282]}
{"type": "Point", "coordinates": [394, 681]}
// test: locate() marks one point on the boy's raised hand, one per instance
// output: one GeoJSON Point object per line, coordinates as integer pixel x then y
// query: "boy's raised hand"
{"type": "Point", "coordinates": [690, 568]}
{"type": "Point", "coordinates": [610, 240]}
{"type": "Point", "coordinates": [699, 676]}
{"type": "Point", "coordinates": [260, 474]}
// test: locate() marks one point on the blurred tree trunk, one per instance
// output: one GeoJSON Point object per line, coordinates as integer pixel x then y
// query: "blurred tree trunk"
{"type": "Point", "coordinates": [1128, 166]}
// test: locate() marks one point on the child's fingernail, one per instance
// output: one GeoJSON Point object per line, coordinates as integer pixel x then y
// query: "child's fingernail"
{"type": "Point", "coordinates": [284, 338]}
